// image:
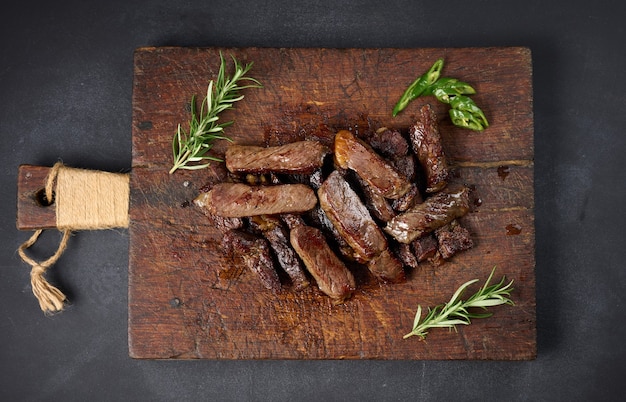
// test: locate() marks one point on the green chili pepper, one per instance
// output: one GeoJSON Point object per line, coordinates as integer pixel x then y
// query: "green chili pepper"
{"type": "Point", "coordinates": [440, 83]}
{"type": "Point", "coordinates": [464, 119]}
{"type": "Point", "coordinates": [450, 86]}
{"type": "Point", "coordinates": [432, 75]}
{"type": "Point", "coordinates": [418, 86]}
{"type": "Point", "coordinates": [466, 104]}
{"type": "Point", "coordinates": [413, 91]}
{"type": "Point", "coordinates": [463, 112]}
{"type": "Point", "coordinates": [444, 95]}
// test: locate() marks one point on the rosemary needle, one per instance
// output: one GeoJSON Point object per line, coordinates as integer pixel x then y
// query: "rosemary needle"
{"type": "Point", "coordinates": [190, 149]}
{"type": "Point", "coordinates": [455, 312]}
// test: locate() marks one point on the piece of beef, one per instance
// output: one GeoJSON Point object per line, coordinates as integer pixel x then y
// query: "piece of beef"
{"type": "Point", "coordinates": [255, 253]}
{"type": "Point", "coordinates": [453, 238]}
{"type": "Point", "coordinates": [426, 143]}
{"type": "Point", "coordinates": [278, 236]}
{"type": "Point", "coordinates": [408, 200]}
{"type": "Point", "coordinates": [407, 166]}
{"type": "Point", "coordinates": [425, 247]}
{"type": "Point", "coordinates": [388, 142]}
{"type": "Point", "coordinates": [223, 224]}
{"type": "Point", "coordinates": [405, 255]}
{"type": "Point", "coordinates": [292, 220]}
{"type": "Point", "coordinates": [378, 205]}
{"type": "Point", "coordinates": [351, 218]}
{"type": "Point", "coordinates": [353, 153]}
{"type": "Point", "coordinates": [330, 273]}
{"type": "Point", "coordinates": [386, 267]}
{"type": "Point", "coordinates": [318, 218]}
{"type": "Point", "coordinates": [236, 200]}
{"type": "Point", "coordinates": [435, 212]}
{"type": "Point", "coordinates": [301, 157]}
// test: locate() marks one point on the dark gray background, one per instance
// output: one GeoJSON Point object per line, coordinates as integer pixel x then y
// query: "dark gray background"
{"type": "Point", "coordinates": [65, 93]}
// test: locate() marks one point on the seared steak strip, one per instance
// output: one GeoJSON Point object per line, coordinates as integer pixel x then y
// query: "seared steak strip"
{"type": "Point", "coordinates": [255, 254]}
{"type": "Point", "coordinates": [453, 238]}
{"type": "Point", "coordinates": [351, 218]}
{"type": "Point", "coordinates": [408, 200]}
{"type": "Point", "coordinates": [388, 142]}
{"type": "Point", "coordinates": [433, 213]}
{"type": "Point", "coordinates": [332, 276]}
{"type": "Point", "coordinates": [374, 201]}
{"type": "Point", "coordinates": [425, 247]}
{"type": "Point", "coordinates": [405, 255]}
{"type": "Point", "coordinates": [221, 223]}
{"type": "Point", "coordinates": [426, 142]}
{"type": "Point", "coordinates": [302, 157]}
{"type": "Point", "coordinates": [387, 267]}
{"type": "Point", "coordinates": [353, 153]}
{"type": "Point", "coordinates": [235, 200]}
{"type": "Point", "coordinates": [278, 236]}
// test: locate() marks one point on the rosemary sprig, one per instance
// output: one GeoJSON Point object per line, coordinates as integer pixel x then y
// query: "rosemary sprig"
{"type": "Point", "coordinates": [455, 312]}
{"type": "Point", "coordinates": [190, 148]}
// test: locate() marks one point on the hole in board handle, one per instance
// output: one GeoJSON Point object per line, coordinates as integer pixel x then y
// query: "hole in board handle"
{"type": "Point", "coordinates": [42, 200]}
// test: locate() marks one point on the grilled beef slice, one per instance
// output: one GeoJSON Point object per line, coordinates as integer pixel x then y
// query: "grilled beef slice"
{"type": "Point", "coordinates": [353, 153]}
{"type": "Point", "coordinates": [378, 205]}
{"type": "Point", "coordinates": [302, 157]}
{"type": "Point", "coordinates": [426, 143]}
{"type": "Point", "coordinates": [330, 273]}
{"type": "Point", "coordinates": [255, 254]}
{"type": "Point", "coordinates": [435, 212]}
{"type": "Point", "coordinates": [237, 200]}
{"type": "Point", "coordinates": [351, 218]}
{"type": "Point", "coordinates": [387, 267]}
{"type": "Point", "coordinates": [277, 235]}
{"type": "Point", "coordinates": [388, 142]}
{"type": "Point", "coordinates": [424, 247]}
{"type": "Point", "coordinates": [221, 223]}
{"type": "Point", "coordinates": [453, 238]}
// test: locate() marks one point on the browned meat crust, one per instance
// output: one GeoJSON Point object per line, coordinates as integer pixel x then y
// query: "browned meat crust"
{"type": "Point", "coordinates": [351, 218]}
{"type": "Point", "coordinates": [435, 212]}
{"type": "Point", "coordinates": [330, 273]}
{"type": "Point", "coordinates": [378, 205]}
{"type": "Point", "coordinates": [426, 142]}
{"type": "Point", "coordinates": [425, 247]}
{"type": "Point", "coordinates": [453, 238]}
{"type": "Point", "coordinates": [387, 267]}
{"type": "Point", "coordinates": [256, 256]}
{"type": "Point", "coordinates": [236, 200]}
{"type": "Point", "coordinates": [353, 153]}
{"type": "Point", "coordinates": [277, 235]}
{"type": "Point", "coordinates": [302, 157]}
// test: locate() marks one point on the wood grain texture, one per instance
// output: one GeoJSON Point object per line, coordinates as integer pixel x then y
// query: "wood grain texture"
{"type": "Point", "coordinates": [187, 300]}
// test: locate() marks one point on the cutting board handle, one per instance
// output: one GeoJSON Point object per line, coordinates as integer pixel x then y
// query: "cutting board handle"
{"type": "Point", "coordinates": [67, 199]}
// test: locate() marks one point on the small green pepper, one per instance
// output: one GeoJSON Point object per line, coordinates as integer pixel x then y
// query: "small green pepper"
{"type": "Point", "coordinates": [463, 112]}
{"type": "Point", "coordinates": [450, 86]}
{"type": "Point", "coordinates": [413, 91]}
{"type": "Point", "coordinates": [418, 86]}
{"type": "Point", "coordinates": [464, 119]}
{"type": "Point", "coordinates": [466, 104]}
{"type": "Point", "coordinates": [444, 95]}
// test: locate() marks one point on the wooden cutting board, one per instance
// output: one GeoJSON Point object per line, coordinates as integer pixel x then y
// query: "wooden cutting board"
{"type": "Point", "coordinates": [187, 300]}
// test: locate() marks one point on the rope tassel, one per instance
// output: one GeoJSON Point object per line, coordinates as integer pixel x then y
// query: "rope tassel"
{"type": "Point", "coordinates": [84, 200]}
{"type": "Point", "coordinates": [51, 299]}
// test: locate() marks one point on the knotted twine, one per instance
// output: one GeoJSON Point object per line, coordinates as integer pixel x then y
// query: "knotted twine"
{"type": "Point", "coordinates": [84, 200]}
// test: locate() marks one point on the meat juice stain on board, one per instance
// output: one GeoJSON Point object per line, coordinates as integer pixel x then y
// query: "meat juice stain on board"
{"type": "Point", "coordinates": [513, 229]}
{"type": "Point", "coordinates": [503, 171]}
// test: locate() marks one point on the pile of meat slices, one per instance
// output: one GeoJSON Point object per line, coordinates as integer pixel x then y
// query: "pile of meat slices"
{"type": "Point", "coordinates": [381, 201]}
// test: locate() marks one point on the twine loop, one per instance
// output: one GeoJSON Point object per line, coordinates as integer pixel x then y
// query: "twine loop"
{"type": "Point", "coordinates": [84, 200]}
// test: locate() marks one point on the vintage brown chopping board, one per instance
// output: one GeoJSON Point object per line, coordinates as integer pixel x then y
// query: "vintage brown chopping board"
{"type": "Point", "coordinates": [188, 300]}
